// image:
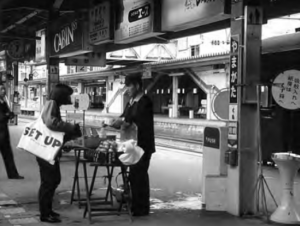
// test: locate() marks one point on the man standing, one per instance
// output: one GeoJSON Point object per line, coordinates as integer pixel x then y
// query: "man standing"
{"type": "Point", "coordinates": [5, 148]}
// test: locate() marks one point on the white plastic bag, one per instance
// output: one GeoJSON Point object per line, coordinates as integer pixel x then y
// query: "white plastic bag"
{"type": "Point", "coordinates": [132, 152]}
{"type": "Point", "coordinates": [40, 141]}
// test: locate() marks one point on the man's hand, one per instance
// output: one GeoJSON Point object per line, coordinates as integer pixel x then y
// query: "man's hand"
{"type": "Point", "coordinates": [117, 123]}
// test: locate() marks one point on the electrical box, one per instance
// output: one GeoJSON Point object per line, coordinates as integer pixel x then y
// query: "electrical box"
{"type": "Point", "coordinates": [231, 157]}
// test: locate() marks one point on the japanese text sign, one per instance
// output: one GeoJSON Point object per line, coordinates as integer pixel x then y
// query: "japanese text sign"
{"type": "Point", "coordinates": [234, 69]}
{"type": "Point", "coordinates": [286, 89]}
{"type": "Point", "coordinates": [99, 23]}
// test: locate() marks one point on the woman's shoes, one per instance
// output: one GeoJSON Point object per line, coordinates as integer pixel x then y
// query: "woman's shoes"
{"type": "Point", "coordinates": [50, 219]}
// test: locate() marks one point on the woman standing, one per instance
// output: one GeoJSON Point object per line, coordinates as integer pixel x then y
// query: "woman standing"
{"type": "Point", "coordinates": [5, 148]}
{"type": "Point", "coordinates": [50, 174]}
{"type": "Point", "coordinates": [139, 111]}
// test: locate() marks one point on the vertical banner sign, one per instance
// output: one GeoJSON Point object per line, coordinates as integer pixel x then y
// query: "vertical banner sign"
{"type": "Point", "coordinates": [233, 93]}
{"type": "Point", "coordinates": [234, 57]}
{"type": "Point", "coordinates": [40, 47]}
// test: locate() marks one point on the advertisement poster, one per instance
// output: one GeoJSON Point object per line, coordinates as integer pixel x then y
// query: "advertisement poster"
{"type": "Point", "coordinates": [99, 23]}
{"type": "Point", "coordinates": [134, 20]}
{"type": "Point", "coordinates": [184, 14]}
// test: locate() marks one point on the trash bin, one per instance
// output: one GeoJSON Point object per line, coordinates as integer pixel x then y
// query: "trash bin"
{"type": "Point", "coordinates": [288, 165]}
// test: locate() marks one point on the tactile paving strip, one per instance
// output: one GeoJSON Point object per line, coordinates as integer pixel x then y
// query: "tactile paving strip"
{"type": "Point", "coordinates": [9, 211]}
{"type": "Point", "coordinates": [29, 220]}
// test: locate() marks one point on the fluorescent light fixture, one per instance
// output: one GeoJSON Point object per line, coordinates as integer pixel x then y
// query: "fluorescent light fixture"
{"type": "Point", "coordinates": [162, 91]}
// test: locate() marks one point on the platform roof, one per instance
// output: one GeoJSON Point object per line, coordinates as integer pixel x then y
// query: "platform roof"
{"type": "Point", "coordinates": [22, 18]}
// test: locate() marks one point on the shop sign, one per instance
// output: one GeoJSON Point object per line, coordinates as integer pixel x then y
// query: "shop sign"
{"type": "Point", "coordinates": [88, 59]}
{"type": "Point", "coordinates": [286, 89]}
{"type": "Point", "coordinates": [40, 49]}
{"type": "Point", "coordinates": [184, 14]}
{"type": "Point", "coordinates": [68, 37]}
{"type": "Point", "coordinates": [212, 137]}
{"type": "Point", "coordinates": [100, 23]}
{"type": "Point", "coordinates": [136, 20]}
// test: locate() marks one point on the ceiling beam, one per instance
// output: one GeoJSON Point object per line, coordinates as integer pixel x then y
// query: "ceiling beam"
{"type": "Point", "coordinates": [57, 4]}
{"type": "Point", "coordinates": [24, 19]}
{"type": "Point", "coordinates": [13, 36]}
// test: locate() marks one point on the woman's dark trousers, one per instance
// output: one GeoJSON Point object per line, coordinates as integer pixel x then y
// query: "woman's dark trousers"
{"type": "Point", "coordinates": [139, 181]}
{"type": "Point", "coordinates": [7, 152]}
{"type": "Point", "coordinates": [50, 179]}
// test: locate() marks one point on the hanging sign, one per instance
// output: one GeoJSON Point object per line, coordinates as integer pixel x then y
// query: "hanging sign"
{"type": "Point", "coordinates": [184, 14]}
{"type": "Point", "coordinates": [136, 20]}
{"type": "Point", "coordinates": [40, 48]}
{"type": "Point", "coordinates": [286, 90]}
{"type": "Point", "coordinates": [69, 37]}
{"type": "Point", "coordinates": [100, 23]}
{"type": "Point", "coordinates": [88, 59]}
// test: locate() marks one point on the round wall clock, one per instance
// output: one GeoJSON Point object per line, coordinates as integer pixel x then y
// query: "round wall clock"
{"type": "Point", "coordinates": [15, 49]}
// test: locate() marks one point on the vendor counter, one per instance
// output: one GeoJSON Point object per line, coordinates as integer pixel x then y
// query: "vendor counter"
{"type": "Point", "coordinates": [174, 133]}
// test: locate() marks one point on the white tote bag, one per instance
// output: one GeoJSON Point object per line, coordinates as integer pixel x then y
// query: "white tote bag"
{"type": "Point", "coordinates": [40, 141]}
